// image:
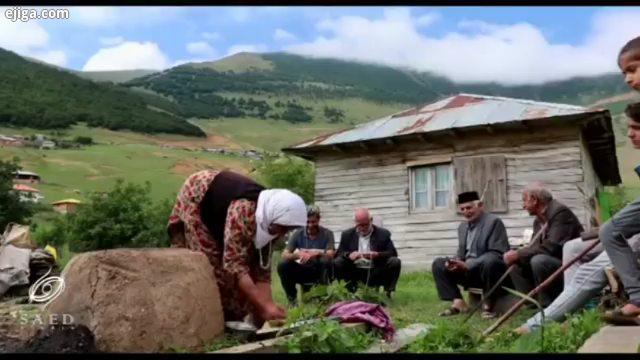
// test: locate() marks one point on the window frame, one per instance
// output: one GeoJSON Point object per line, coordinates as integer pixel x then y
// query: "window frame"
{"type": "Point", "coordinates": [431, 190]}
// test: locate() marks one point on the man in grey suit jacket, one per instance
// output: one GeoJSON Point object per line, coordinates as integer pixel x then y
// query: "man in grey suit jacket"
{"type": "Point", "coordinates": [482, 239]}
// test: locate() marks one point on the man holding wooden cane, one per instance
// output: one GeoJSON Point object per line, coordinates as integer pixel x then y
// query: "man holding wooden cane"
{"type": "Point", "coordinates": [535, 262]}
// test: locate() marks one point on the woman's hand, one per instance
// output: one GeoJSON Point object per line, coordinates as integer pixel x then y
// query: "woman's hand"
{"type": "Point", "coordinates": [272, 311]}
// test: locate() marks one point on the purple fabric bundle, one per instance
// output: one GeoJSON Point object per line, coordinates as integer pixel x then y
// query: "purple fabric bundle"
{"type": "Point", "coordinates": [359, 311]}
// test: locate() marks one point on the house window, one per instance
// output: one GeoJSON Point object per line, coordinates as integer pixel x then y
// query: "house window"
{"type": "Point", "coordinates": [431, 187]}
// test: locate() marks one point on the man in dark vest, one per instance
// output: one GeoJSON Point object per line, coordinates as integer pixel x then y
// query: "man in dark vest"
{"type": "Point", "coordinates": [366, 254]}
{"type": "Point", "coordinates": [308, 256]}
{"type": "Point", "coordinates": [482, 239]}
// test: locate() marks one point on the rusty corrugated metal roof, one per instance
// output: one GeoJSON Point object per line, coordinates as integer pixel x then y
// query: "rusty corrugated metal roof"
{"type": "Point", "coordinates": [455, 112]}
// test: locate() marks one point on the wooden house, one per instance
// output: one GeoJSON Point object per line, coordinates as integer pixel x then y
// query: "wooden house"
{"type": "Point", "coordinates": [408, 167]}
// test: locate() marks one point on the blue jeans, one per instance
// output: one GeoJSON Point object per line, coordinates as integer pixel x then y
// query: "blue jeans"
{"type": "Point", "coordinates": [614, 236]}
{"type": "Point", "coordinates": [586, 282]}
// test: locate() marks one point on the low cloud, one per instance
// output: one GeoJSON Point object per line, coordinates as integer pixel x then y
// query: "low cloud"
{"type": "Point", "coordinates": [201, 48]}
{"type": "Point", "coordinates": [283, 35]}
{"type": "Point", "coordinates": [213, 36]}
{"type": "Point", "coordinates": [129, 55]}
{"type": "Point", "coordinates": [29, 39]}
{"type": "Point", "coordinates": [252, 48]}
{"type": "Point", "coordinates": [476, 51]}
{"type": "Point", "coordinates": [111, 41]}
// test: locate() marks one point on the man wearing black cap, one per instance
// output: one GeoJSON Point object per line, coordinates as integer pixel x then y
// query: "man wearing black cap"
{"type": "Point", "coordinates": [482, 239]}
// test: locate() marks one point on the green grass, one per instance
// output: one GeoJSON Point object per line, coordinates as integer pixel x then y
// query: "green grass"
{"type": "Point", "coordinates": [416, 301]}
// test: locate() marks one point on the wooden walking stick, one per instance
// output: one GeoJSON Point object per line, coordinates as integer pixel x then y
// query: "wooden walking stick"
{"type": "Point", "coordinates": [491, 291]}
{"type": "Point", "coordinates": [533, 292]}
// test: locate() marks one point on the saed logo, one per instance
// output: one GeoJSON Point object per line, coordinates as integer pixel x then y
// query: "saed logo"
{"type": "Point", "coordinates": [49, 288]}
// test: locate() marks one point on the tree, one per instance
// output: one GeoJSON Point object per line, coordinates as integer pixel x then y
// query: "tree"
{"type": "Point", "coordinates": [333, 115]}
{"type": "Point", "coordinates": [296, 114]}
{"type": "Point", "coordinates": [11, 208]}
{"type": "Point", "coordinates": [286, 172]}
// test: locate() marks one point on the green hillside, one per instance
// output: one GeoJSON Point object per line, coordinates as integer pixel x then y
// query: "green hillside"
{"type": "Point", "coordinates": [268, 92]}
{"type": "Point", "coordinates": [201, 90]}
{"type": "Point", "coordinates": [41, 96]}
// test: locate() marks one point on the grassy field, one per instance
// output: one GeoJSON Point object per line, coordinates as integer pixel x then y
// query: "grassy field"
{"type": "Point", "coordinates": [274, 135]}
{"type": "Point", "coordinates": [132, 157]}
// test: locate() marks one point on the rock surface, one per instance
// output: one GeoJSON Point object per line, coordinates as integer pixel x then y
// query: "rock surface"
{"type": "Point", "coordinates": [142, 300]}
{"type": "Point", "coordinates": [613, 339]}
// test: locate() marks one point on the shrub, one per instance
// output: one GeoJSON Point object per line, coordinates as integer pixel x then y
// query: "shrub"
{"type": "Point", "coordinates": [83, 140]}
{"type": "Point", "coordinates": [55, 233]}
{"type": "Point", "coordinates": [11, 208]}
{"type": "Point", "coordinates": [122, 217]}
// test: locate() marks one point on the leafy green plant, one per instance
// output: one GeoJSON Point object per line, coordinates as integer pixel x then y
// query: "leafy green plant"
{"type": "Point", "coordinates": [327, 336]}
{"type": "Point", "coordinates": [566, 337]}
{"type": "Point", "coordinates": [304, 312]}
{"type": "Point", "coordinates": [570, 335]}
{"type": "Point", "coordinates": [337, 291]}
{"type": "Point", "coordinates": [501, 341]}
{"type": "Point", "coordinates": [328, 294]}
{"type": "Point", "coordinates": [540, 310]}
{"type": "Point", "coordinates": [447, 336]}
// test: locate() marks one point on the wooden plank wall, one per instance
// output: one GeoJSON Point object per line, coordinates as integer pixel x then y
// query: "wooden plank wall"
{"type": "Point", "coordinates": [381, 183]}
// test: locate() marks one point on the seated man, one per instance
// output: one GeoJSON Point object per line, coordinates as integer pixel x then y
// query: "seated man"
{"type": "Point", "coordinates": [586, 282]}
{"type": "Point", "coordinates": [482, 239]}
{"type": "Point", "coordinates": [366, 254]}
{"type": "Point", "coordinates": [615, 233]}
{"type": "Point", "coordinates": [537, 261]}
{"type": "Point", "coordinates": [307, 257]}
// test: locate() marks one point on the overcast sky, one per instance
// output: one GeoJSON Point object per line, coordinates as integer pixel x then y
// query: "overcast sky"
{"type": "Point", "coordinates": [509, 45]}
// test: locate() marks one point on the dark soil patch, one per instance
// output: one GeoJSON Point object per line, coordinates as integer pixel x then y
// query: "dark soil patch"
{"type": "Point", "coordinates": [61, 339]}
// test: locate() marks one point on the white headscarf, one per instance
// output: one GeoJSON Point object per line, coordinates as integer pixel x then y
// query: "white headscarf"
{"type": "Point", "coordinates": [277, 206]}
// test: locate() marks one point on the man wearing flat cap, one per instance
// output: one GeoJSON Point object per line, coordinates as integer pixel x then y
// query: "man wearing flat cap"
{"type": "Point", "coordinates": [482, 240]}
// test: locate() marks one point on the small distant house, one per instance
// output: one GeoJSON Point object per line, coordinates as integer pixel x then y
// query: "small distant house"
{"type": "Point", "coordinates": [66, 206]}
{"type": "Point", "coordinates": [26, 177]}
{"type": "Point", "coordinates": [27, 193]}
{"type": "Point", "coordinates": [408, 167]}
{"type": "Point", "coordinates": [47, 145]}
{"type": "Point", "coordinates": [10, 141]}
